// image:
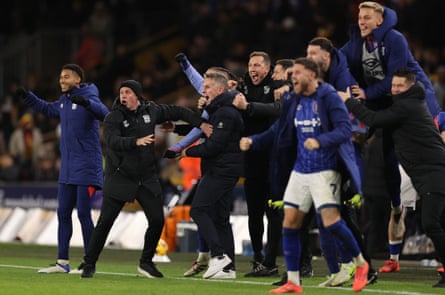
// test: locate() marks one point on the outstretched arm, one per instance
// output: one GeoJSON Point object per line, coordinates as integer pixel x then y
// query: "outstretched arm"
{"type": "Point", "coordinates": [192, 74]}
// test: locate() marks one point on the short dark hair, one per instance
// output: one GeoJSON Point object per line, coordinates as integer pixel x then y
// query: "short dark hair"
{"type": "Point", "coordinates": [77, 69]}
{"type": "Point", "coordinates": [285, 63]}
{"type": "Point", "coordinates": [323, 42]}
{"type": "Point", "coordinates": [308, 64]}
{"type": "Point", "coordinates": [406, 73]}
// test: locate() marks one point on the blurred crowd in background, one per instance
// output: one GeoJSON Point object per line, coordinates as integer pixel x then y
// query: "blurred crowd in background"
{"type": "Point", "coordinates": [118, 40]}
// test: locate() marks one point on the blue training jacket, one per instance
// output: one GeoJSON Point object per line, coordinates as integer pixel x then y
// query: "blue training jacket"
{"type": "Point", "coordinates": [394, 54]}
{"type": "Point", "coordinates": [80, 147]}
{"type": "Point", "coordinates": [281, 138]}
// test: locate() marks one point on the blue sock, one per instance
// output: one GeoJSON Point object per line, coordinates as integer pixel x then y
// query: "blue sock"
{"type": "Point", "coordinates": [342, 233]}
{"type": "Point", "coordinates": [292, 248]}
{"type": "Point", "coordinates": [327, 245]}
{"type": "Point", "coordinates": [395, 249]}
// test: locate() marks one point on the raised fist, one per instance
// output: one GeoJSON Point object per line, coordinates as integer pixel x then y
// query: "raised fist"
{"type": "Point", "coordinates": [181, 58]}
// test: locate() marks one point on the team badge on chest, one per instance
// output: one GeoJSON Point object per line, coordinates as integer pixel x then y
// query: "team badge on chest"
{"type": "Point", "coordinates": [146, 119]}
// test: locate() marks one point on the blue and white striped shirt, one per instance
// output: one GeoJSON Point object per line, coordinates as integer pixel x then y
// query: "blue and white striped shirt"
{"type": "Point", "coordinates": [308, 125]}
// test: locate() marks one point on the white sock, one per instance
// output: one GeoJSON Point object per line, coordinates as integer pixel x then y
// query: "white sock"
{"type": "Point", "coordinates": [394, 257]}
{"type": "Point", "coordinates": [63, 261]}
{"type": "Point", "coordinates": [294, 277]}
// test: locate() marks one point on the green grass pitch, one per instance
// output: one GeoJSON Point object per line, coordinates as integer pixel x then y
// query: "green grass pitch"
{"type": "Point", "coordinates": [117, 274]}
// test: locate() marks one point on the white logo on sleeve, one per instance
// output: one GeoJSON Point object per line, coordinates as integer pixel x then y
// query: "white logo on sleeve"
{"type": "Point", "coordinates": [220, 125]}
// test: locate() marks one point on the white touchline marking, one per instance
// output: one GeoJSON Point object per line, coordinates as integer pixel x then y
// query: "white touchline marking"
{"type": "Point", "coordinates": [379, 291]}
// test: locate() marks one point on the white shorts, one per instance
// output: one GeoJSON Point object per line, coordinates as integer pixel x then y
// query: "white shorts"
{"type": "Point", "coordinates": [322, 188]}
{"type": "Point", "coordinates": [408, 193]}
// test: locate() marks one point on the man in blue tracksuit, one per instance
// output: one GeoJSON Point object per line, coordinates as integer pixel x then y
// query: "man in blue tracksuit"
{"type": "Point", "coordinates": [374, 52]}
{"type": "Point", "coordinates": [79, 109]}
{"type": "Point", "coordinates": [334, 70]}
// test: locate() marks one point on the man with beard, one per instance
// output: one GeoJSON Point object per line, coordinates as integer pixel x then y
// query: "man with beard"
{"type": "Point", "coordinates": [317, 122]}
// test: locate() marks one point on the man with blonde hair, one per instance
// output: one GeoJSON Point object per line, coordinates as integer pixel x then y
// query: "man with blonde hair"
{"type": "Point", "coordinates": [374, 52]}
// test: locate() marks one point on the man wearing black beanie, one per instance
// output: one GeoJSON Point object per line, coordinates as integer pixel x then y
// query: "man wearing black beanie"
{"type": "Point", "coordinates": [133, 85]}
{"type": "Point", "coordinates": [130, 172]}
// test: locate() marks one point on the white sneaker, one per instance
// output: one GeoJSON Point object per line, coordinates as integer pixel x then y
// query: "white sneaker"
{"type": "Point", "coordinates": [78, 270]}
{"type": "Point", "coordinates": [75, 271]}
{"type": "Point", "coordinates": [328, 282]}
{"type": "Point", "coordinates": [61, 266]}
{"type": "Point", "coordinates": [216, 264]}
{"type": "Point", "coordinates": [346, 273]}
{"type": "Point", "coordinates": [224, 274]}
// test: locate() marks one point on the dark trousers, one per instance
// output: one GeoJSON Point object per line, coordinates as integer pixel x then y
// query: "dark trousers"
{"type": "Point", "coordinates": [153, 210]}
{"type": "Point", "coordinates": [392, 173]}
{"type": "Point", "coordinates": [70, 196]}
{"type": "Point", "coordinates": [274, 234]}
{"type": "Point", "coordinates": [377, 213]}
{"type": "Point", "coordinates": [210, 209]}
{"type": "Point", "coordinates": [433, 221]}
{"type": "Point", "coordinates": [257, 192]}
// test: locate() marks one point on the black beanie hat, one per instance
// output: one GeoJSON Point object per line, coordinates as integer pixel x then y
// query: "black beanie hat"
{"type": "Point", "coordinates": [133, 85]}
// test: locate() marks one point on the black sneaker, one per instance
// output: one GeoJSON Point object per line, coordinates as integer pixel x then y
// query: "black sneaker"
{"type": "Point", "coordinates": [149, 270]}
{"type": "Point", "coordinates": [306, 271]}
{"type": "Point", "coordinates": [259, 270]}
{"type": "Point", "coordinates": [372, 277]}
{"type": "Point", "coordinates": [282, 281]}
{"type": "Point", "coordinates": [88, 270]}
{"type": "Point", "coordinates": [441, 283]}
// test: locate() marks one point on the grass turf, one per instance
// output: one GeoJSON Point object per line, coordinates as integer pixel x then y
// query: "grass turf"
{"type": "Point", "coordinates": [117, 274]}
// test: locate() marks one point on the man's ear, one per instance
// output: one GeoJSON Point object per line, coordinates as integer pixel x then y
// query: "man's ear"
{"type": "Point", "coordinates": [78, 79]}
{"type": "Point", "coordinates": [380, 20]}
{"type": "Point", "coordinates": [314, 75]}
